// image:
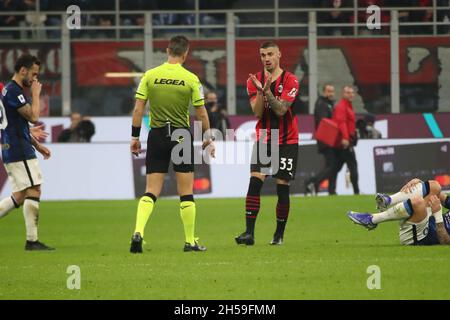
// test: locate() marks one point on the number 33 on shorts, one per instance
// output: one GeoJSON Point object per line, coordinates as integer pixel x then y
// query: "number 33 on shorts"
{"type": "Point", "coordinates": [286, 164]}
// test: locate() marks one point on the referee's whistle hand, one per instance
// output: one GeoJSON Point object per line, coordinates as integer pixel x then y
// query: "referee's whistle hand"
{"type": "Point", "coordinates": [210, 147]}
{"type": "Point", "coordinates": [135, 147]}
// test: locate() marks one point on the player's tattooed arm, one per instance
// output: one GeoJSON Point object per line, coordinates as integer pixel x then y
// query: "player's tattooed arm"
{"type": "Point", "coordinates": [280, 107]}
{"type": "Point", "coordinates": [435, 204]}
{"type": "Point", "coordinates": [31, 112]}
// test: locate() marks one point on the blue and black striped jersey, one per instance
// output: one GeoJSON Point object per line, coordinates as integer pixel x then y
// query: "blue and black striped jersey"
{"type": "Point", "coordinates": [15, 132]}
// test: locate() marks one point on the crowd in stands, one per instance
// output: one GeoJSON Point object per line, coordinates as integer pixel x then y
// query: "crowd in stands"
{"type": "Point", "coordinates": [34, 17]}
{"type": "Point", "coordinates": [425, 15]}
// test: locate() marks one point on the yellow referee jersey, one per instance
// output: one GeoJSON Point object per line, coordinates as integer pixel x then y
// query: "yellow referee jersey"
{"type": "Point", "coordinates": [170, 89]}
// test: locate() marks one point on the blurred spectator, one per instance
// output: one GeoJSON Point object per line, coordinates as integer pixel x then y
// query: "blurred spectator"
{"type": "Point", "coordinates": [344, 116]}
{"type": "Point", "coordinates": [365, 128]}
{"type": "Point", "coordinates": [335, 16]}
{"type": "Point", "coordinates": [133, 19]}
{"type": "Point", "coordinates": [66, 134]}
{"type": "Point", "coordinates": [169, 19]}
{"type": "Point", "coordinates": [159, 19]}
{"type": "Point", "coordinates": [85, 130]}
{"type": "Point", "coordinates": [323, 109]}
{"type": "Point", "coordinates": [12, 20]}
{"type": "Point", "coordinates": [425, 15]}
{"type": "Point", "coordinates": [1, 87]}
{"type": "Point", "coordinates": [105, 21]}
{"type": "Point", "coordinates": [55, 20]}
{"type": "Point", "coordinates": [34, 19]}
{"type": "Point", "coordinates": [81, 129]}
{"type": "Point", "coordinates": [443, 15]}
{"type": "Point", "coordinates": [214, 18]}
{"type": "Point", "coordinates": [218, 116]}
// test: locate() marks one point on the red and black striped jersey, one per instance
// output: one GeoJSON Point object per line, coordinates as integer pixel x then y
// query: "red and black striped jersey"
{"type": "Point", "coordinates": [284, 88]}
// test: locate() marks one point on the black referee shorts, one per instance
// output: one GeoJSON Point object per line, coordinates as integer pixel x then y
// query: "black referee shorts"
{"type": "Point", "coordinates": [159, 151]}
{"type": "Point", "coordinates": [287, 161]}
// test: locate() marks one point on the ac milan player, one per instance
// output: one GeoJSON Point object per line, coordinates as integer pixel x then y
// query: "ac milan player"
{"type": "Point", "coordinates": [272, 93]}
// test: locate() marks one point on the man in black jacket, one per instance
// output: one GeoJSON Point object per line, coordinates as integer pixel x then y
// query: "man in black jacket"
{"type": "Point", "coordinates": [323, 109]}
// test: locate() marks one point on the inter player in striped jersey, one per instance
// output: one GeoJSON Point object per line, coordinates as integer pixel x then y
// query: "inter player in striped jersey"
{"type": "Point", "coordinates": [418, 208]}
{"type": "Point", "coordinates": [19, 146]}
{"type": "Point", "coordinates": [272, 93]}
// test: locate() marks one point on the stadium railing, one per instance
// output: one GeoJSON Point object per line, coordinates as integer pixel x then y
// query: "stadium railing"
{"type": "Point", "coordinates": [280, 23]}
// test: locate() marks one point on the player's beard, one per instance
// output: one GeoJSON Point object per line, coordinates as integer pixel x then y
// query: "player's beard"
{"type": "Point", "coordinates": [26, 82]}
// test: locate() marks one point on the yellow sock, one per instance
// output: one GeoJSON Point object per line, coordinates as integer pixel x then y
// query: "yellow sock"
{"type": "Point", "coordinates": [187, 212]}
{"type": "Point", "coordinates": [144, 210]}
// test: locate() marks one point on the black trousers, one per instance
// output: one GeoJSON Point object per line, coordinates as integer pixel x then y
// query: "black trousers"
{"type": "Point", "coordinates": [330, 155]}
{"type": "Point", "coordinates": [348, 157]}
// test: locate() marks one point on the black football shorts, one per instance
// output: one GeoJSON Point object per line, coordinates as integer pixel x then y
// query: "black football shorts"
{"type": "Point", "coordinates": [159, 152]}
{"type": "Point", "coordinates": [287, 160]}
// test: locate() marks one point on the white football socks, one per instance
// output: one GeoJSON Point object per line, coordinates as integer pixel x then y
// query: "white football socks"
{"type": "Point", "coordinates": [31, 215]}
{"type": "Point", "coordinates": [417, 190]}
{"type": "Point", "coordinates": [6, 205]}
{"type": "Point", "coordinates": [400, 211]}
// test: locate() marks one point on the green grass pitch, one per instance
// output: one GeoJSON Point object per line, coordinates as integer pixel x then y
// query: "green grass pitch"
{"type": "Point", "coordinates": [325, 256]}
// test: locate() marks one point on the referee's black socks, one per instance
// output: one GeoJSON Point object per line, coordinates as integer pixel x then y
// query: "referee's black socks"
{"type": "Point", "coordinates": [252, 203]}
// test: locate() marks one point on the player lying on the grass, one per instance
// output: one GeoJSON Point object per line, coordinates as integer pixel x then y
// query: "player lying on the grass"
{"type": "Point", "coordinates": [418, 207]}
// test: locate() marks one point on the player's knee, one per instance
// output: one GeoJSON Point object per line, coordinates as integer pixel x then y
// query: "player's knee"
{"type": "Point", "coordinates": [152, 191]}
{"type": "Point", "coordinates": [151, 196]}
{"type": "Point", "coordinates": [283, 193]}
{"type": "Point", "coordinates": [417, 203]}
{"type": "Point", "coordinates": [435, 187]}
{"type": "Point", "coordinates": [34, 192]}
{"type": "Point", "coordinates": [188, 198]}
{"type": "Point", "coordinates": [18, 199]}
{"type": "Point", "coordinates": [255, 186]}
{"type": "Point", "coordinates": [282, 182]}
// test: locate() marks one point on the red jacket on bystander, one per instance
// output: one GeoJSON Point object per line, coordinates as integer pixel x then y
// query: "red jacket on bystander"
{"type": "Point", "coordinates": [345, 118]}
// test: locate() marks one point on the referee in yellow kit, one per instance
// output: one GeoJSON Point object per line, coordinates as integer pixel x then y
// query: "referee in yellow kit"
{"type": "Point", "coordinates": [170, 89]}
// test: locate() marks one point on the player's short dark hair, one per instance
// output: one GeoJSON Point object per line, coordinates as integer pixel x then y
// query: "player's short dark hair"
{"type": "Point", "coordinates": [178, 45]}
{"type": "Point", "coordinates": [26, 60]}
{"type": "Point", "coordinates": [268, 44]}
